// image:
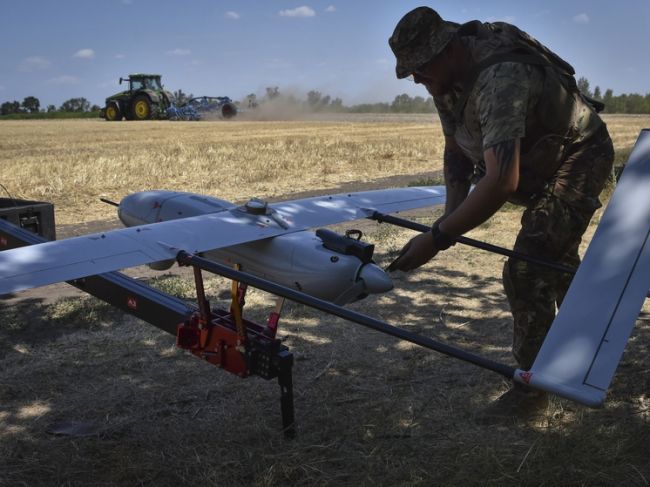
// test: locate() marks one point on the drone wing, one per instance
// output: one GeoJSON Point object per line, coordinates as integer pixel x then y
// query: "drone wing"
{"type": "Point", "coordinates": [586, 341]}
{"type": "Point", "coordinates": [64, 260]}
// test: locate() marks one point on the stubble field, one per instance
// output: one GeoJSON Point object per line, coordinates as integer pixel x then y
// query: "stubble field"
{"type": "Point", "coordinates": [370, 409]}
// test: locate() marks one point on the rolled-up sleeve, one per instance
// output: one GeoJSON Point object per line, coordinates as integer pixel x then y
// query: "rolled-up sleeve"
{"type": "Point", "coordinates": [503, 92]}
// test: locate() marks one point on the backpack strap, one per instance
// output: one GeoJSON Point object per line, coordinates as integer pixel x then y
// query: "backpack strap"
{"type": "Point", "coordinates": [525, 50]}
{"type": "Point", "coordinates": [511, 57]}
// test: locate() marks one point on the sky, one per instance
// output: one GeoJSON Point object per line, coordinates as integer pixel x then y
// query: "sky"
{"type": "Point", "coordinates": [56, 50]}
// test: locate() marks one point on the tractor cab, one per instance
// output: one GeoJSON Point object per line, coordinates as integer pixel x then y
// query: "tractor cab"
{"type": "Point", "coordinates": [143, 82]}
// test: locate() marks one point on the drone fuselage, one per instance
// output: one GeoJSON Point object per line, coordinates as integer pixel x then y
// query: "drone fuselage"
{"type": "Point", "coordinates": [300, 260]}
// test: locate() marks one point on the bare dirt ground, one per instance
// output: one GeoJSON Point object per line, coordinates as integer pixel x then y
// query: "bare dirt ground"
{"type": "Point", "coordinates": [370, 409]}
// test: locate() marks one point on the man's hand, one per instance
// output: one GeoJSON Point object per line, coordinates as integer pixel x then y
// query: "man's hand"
{"type": "Point", "coordinates": [418, 251]}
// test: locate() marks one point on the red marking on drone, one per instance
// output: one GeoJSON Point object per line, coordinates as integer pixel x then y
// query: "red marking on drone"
{"type": "Point", "coordinates": [526, 376]}
{"type": "Point", "coordinates": [132, 303]}
{"type": "Point", "coordinates": [3, 241]}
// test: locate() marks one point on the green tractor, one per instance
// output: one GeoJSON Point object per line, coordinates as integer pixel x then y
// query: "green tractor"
{"type": "Point", "coordinates": [144, 100]}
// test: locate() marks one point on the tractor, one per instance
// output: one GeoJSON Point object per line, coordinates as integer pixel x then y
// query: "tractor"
{"type": "Point", "coordinates": [144, 100]}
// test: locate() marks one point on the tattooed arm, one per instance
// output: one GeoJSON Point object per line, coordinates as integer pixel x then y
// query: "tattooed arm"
{"type": "Point", "coordinates": [464, 212]}
{"type": "Point", "coordinates": [491, 192]}
{"type": "Point", "coordinates": [458, 172]}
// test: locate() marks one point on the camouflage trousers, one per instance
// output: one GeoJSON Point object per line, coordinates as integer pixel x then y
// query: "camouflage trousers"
{"type": "Point", "coordinates": [551, 228]}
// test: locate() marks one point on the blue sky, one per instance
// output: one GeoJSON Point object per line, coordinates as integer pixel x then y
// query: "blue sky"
{"type": "Point", "coordinates": [56, 50]}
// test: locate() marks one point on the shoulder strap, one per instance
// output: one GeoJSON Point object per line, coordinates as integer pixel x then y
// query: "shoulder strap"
{"type": "Point", "coordinates": [459, 107]}
{"type": "Point", "coordinates": [525, 50]}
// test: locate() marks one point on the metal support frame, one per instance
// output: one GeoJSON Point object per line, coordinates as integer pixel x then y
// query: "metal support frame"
{"type": "Point", "coordinates": [419, 227]}
{"type": "Point", "coordinates": [265, 358]}
{"type": "Point", "coordinates": [185, 258]}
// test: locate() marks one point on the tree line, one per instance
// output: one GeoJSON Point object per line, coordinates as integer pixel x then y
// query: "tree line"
{"type": "Point", "coordinates": [31, 104]}
{"type": "Point", "coordinates": [624, 103]}
{"type": "Point", "coordinates": [404, 103]}
{"type": "Point", "coordinates": [320, 102]}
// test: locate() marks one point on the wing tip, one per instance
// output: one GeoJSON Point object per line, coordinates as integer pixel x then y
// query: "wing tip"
{"type": "Point", "coordinates": [582, 393]}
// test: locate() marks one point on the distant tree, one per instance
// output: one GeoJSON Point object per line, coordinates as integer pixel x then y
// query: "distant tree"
{"type": "Point", "coordinates": [608, 100]}
{"type": "Point", "coordinates": [597, 94]}
{"type": "Point", "coordinates": [180, 98]}
{"type": "Point", "coordinates": [371, 108]}
{"type": "Point", "coordinates": [75, 105]}
{"type": "Point", "coordinates": [251, 100]}
{"type": "Point", "coordinates": [636, 103]}
{"type": "Point", "coordinates": [5, 108]}
{"type": "Point", "coordinates": [336, 104]}
{"type": "Point", "coordinates": [583, 86]}
{"type": "Point", "coordinates": [272, 92]}
{"type": "Point", "coordinates": [31, 104]}
{"type": "Point", "coordinates": [402, 103]}
{"type": "Point", "coordinates": [9, 107]}
{"type": "Point", "coordinates": [95, 108]}
{"type": "Point", "coordinates": [314, 98]}
{"type": "Point", "coordinates": [51, 108]}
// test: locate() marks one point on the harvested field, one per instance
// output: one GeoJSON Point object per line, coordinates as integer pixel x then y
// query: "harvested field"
{"type": "Point", "coordinates": [370, 410]}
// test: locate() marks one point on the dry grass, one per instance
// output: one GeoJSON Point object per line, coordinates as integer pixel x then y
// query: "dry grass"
{"type": "Point", "coordinates": [370, 410]}
{"type": "Point", "coordinates": [71, 163]}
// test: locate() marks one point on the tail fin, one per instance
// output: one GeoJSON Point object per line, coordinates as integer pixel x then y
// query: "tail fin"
{"type": "Point", "coordinates": [586, 341]}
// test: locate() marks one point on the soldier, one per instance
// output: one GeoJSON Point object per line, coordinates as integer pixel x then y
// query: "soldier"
{"type": "Point", "coordinates": [515, 123]}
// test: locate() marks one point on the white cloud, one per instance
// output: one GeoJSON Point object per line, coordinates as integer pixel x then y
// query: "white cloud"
{"type": "Point", "coordinates": [120, 56]}
{"type": "Point", "coordinates": [33, 63]}
{"type": "Point", "coordinates": [84, 54]}
{"type": "Point", "coordinates": [581, 19]}
{"type": "Point", "coordinates": [232, 15]}
{"type": "Point", "coordinates": [303, 11]}
{"type": "Point", "coordinates": [330, 9]}
{"type": "Point", "coordinates": [64, 80]}
{"type": "Point", "coordinates": [179, 52]}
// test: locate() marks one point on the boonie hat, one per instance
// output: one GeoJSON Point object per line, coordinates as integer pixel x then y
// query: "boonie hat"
{"type": "Point", "coordinates": [418, 37]}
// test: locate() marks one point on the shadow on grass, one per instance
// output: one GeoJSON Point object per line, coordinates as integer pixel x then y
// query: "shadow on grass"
{"type": "Point", "coordinates": [370, 409]}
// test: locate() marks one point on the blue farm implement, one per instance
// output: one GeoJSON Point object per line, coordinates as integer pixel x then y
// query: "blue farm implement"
{"type": "Point", "coordinates": [203, 107]}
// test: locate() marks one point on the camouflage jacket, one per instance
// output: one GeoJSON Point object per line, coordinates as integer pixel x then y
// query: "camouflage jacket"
{"type": "Point", "coordinates": [511, 100]}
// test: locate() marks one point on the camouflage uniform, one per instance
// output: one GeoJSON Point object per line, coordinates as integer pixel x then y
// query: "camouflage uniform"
{"type": "Point", "coordinates": [566, 158]}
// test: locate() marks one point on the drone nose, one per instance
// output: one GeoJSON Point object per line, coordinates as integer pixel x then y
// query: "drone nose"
{"type": "Point", "coordinates": [375, 279]}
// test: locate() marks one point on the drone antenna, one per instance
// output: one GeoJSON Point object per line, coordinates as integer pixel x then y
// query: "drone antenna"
{"type": "Point", "coordinates": [104, 200]}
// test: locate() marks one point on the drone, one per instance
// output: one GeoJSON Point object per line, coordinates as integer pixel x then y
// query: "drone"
{"type": "Point", "coordinates": [270, 246]}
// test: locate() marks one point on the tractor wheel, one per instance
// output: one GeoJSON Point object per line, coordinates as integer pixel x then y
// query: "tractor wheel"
{"type": "Point", "coordinates": [141, 108]}
{"type": "Point", "coordinates": [112, 113]}
{"type": "Point", "coordinates": [228, 110]}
